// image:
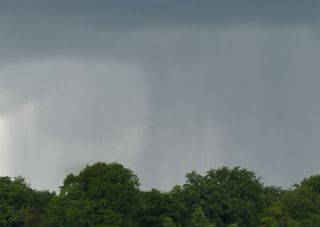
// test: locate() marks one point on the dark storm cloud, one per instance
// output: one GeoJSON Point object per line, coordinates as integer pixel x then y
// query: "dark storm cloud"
{"type": "Point", "coordinates": [142, 13]}
{"type": "Point", "coordinates": [85, 28]}
{"type": "Point", "coordinates": [162, 86]}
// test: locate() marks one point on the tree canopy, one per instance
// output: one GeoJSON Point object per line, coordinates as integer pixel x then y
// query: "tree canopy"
{"type": "Point", "coordinates": [109, 195]}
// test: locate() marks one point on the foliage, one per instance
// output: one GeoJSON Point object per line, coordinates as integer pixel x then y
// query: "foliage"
{"type": "Point", "coordinates": [19, 204]}
{"type": "Point", "coordinates": [102, 194]}
{"type": "Point", "coordinates": [227, 196]}
{"type": "Point", "coordinates": [161, 209]}
{"type": "Point", "coordinates": [199, 219]}
{"type": "Point", "coordinates": [302, 203]}
{"type": "Point", "coordinates": [109, 195]}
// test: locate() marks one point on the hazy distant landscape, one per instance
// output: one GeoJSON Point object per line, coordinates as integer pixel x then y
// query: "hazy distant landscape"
{"type": "Point", "coordinates": [164, 87]}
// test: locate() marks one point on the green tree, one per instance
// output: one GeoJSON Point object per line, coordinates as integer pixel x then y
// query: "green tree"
{"type": "Point", "coordinates": [19, 204]}
{"type": "Point", "coordinates": [302, 203]}
{"type": "Point", "coordinates": [160, 209]}
{"type": "Point", "coordinates": [102, 194]}
{"type": "Point", "coordinates": [109, 195]}
{"type": "Point", "coordinates": [226, 196]}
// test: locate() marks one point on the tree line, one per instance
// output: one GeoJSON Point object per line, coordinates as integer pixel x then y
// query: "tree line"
{"type": "Point", "coordinates": [109, 195]}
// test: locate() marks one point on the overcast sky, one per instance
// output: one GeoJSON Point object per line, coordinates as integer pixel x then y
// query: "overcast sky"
{"type": "Point", "coordinates": [161, 86]}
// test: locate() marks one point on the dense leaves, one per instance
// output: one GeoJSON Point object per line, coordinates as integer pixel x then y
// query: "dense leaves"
{"type": "Point", "coordinates": [227, 196]}
{"type": "Point", "coordinates": [21, 205]}
{"type": "Point", "coordinates": [109, 195]}
{"type": "Point", "coordinates": [102, 194]}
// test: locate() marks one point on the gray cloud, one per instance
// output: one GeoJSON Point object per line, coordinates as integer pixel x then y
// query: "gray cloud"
{"type": "Point", "coordinates": [163, 87]}
{"type": "Point", "coordinates": [93, 28]}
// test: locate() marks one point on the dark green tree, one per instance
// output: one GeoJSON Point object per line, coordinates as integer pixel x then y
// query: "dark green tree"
{"type": "Point", "coordinates": [227, 196]}
{"type": "Point", "coordinates": [109, 195]}
{"type": "Point", "coordinates": [19, 204]}
{"type": "Point", "coordinates": [302, 203]}
{"type": "Point", "coordinates": [102, 194]}
{"type": "Point", "coordinates": [160, 208]}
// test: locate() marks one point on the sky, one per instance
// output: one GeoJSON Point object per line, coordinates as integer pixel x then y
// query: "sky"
{"type": "Point", "coordinates": [162, 86]}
